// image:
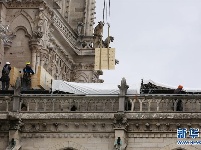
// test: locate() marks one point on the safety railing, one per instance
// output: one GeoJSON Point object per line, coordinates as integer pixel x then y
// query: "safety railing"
{"type": "Point", "coordinates": [69, 103]}
{"type": "Point", "coordinates": [164, 103]}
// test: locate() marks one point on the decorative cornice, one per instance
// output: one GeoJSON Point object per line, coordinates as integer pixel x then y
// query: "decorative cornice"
{"type": "Point", "coordinates": [68, 33]}
{"type": "Point", "coordinates": [67, 135]}
{"type": "Point", "coordinates": [158, 115]}
{"type": "Point", "coordinates": [76, 116]}
{"type": "Point", "coordinates": [28, 4]}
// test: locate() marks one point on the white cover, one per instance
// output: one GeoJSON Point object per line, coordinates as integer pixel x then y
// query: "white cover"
{"type": "Point", "coordinates": [91, 88]}
{"type": "Point", "coordinates": [103, 88]}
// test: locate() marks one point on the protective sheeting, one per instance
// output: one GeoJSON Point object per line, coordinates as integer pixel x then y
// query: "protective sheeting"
{"type": "Point", "coordinates": [104, 88]}
{"type": "Point", "coordinates": [159, 84]}
{"type": "Point", "coordinates": [91, 88]}
{"type": "Point", "coordinates": [171, 87]}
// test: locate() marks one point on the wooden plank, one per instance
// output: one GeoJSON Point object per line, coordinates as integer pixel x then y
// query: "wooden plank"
{"type": "Point", "coordinates": [104, 60]}
{"type": "Point", "coordinates": [42, 79]}
{"type": "Point", "coordinates": [14, 73]}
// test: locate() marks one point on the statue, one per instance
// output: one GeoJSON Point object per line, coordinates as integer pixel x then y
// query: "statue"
{"type": "Point", "coordinates": [107, 41]}
{"type": "Point", "coordinates": [80, 28]}
{"type": "Point", "coordinates": [98, 31]}
{"type": "Point", "coordinates": [17, 87]}
{"type": "Point", "coordinates": [38, 33]}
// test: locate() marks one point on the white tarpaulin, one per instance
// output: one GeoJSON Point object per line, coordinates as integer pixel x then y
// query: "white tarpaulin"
{"type": "Point", "coordinates": [104, 88]}
{"type": "Point", "coordinates": [91, 88]}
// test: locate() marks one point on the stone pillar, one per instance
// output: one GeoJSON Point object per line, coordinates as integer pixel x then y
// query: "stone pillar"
{"type": "Point", "coordinates": [15, 124]}
{"type": "Point", "coordinates": [35, 54]}
{"type": "Point", "coordinates": [42, 59]}
{"type": "Point", "coordinates": [37, 60]}
{"type": "Point", "coordinates": [33, 59]}
{"type": "Point", "coordinates": [89, 17]}
{"type": "Point", "coordinates": [1, 56]}
{"type": "Point", "coordinates": [1, 59]}
{"type": "Point", "coordinates": [122, 96]}
{"type": "Point", "coordinates": [16, 97]}
{"type": "Point", "coordinates": [120, 128]}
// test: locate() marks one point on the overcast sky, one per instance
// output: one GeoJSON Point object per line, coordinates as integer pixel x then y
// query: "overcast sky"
{"type": "Point", "coordinates": [155, 39]}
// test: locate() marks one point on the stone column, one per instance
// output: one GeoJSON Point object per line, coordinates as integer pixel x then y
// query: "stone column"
{"type": "Point", "coordinates": [42, 59]}
{"type": "Point", "coordinates": [120, 128]}
{"type": "Point", "coordinates": [37, 60]}
{"type": "Point", "coordinates": [33, 58]}
{"type": "Point", "coordinates": [1, 59]}
{"type": "Point", "coordinates": [35, 52]}
{"type": "Point", "coordinates": [122, 96]}
{"type": "Point", "coordinates": [15, 124]}
{"type": "Point", "coordinates": [16, 97]}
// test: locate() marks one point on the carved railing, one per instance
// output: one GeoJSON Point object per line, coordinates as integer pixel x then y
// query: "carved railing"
{"type": "Point", "coordinates": [164, 103]}
{"type": "Point", "coordinates": [69, 103]}
{"type": "Point", "coordinates": [104, 103]}
{"type": "Point", "coordinates": [5, 103]}
{"type": "Point", "coordinates": [63, 28]}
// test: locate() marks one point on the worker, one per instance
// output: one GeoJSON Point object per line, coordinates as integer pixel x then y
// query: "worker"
{"type": "Point", "coordinates": [27, 71]}
{"type": "Point", "coordinates": [5, 79]}
{"type": "Point", "coordinates": [179, 106]}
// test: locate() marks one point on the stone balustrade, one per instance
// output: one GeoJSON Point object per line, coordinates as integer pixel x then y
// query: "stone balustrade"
{"type": "Point", "coordinates": [165, 103]}
{"type": "Point", "coordinates": [69, 103]}
{"type": "Point", "coordinates": [103, 103]}
{"type": "Point", "coordinates": [64, 29]}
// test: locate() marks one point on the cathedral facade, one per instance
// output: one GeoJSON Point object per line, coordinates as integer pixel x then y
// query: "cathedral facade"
{"type": "Point", "coordinates": [56, 35]}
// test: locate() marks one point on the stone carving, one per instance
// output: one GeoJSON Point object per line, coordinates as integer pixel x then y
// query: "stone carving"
{"type": "Point", "coordinates": [68, 33]}
{"type": "Point", "coordinates": [67, 10]}
{"type": "Point", "coordinates": [56, 125]}
{"type": "Point", "coordinates": [17, 87]}
{"type": "Point", "coordinates": [98, 30]}
{"type": "Point", "coordinates": [40, 18]}
{"type": "Point", "coordinates": [106, 42]}
{"type": "Point", "coordinates": [38, 34]}
{"type": "Point", "coordinates": [25, 3]}
{"type": "Point", "coordinates": [5, 34]}
{"type": "Point", "coordinates": [120, 121]}
{"type": "Point", "coordinates": [15, 121]}
{"type": "Point", "coordinates": [123, 87]}
{"type": "Point", "coordinates": [80, 27]}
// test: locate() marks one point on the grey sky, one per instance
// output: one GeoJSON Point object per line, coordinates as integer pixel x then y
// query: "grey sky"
{"type": "Point", "coordinates": [155, 39]}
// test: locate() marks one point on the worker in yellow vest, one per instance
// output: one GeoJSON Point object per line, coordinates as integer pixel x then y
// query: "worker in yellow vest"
{"type": "Point", "coordinates": [27, 71]}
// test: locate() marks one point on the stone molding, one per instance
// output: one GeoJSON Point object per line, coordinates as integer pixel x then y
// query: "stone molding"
{"type": "Point", "coordinates": [24, 4]}
{"type": "Point", "coordinates": [66, 126]}
{"type": "Point", "coordinates": [69, 35]}
{"type": "Point", "coordinates": [75, 116]}
{"type": "Point", "coordinates": [158, 115]}
{"type": "Point", "coordinates": [67, 135]}
{"type": "Point", "coordinates": [68, 144]}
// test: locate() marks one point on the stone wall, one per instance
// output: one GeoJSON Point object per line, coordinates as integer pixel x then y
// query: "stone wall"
{"type": "Point", "coordinates": [3, 141]}
{"type": "Point", "coordinates": [74, 140]}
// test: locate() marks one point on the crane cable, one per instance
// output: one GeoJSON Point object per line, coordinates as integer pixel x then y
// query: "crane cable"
{"type": "Point", "coordinates": [105, 12]}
